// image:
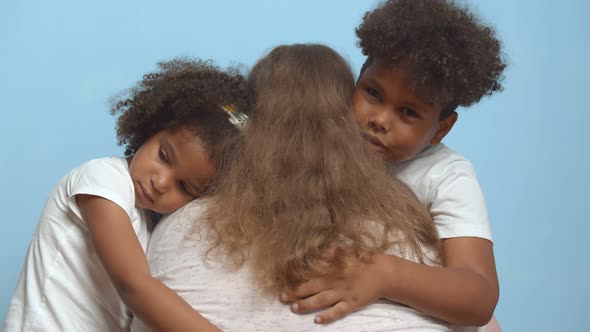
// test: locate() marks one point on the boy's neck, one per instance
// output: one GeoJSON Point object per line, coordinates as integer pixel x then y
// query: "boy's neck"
{"type": "Point", "coordinates": [426, 150]}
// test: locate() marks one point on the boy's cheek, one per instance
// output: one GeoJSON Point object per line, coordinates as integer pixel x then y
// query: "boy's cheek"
{"type": "Point", "coordinates": [358, 109]}
{"type": "Point", "coordinates": [358, 118]}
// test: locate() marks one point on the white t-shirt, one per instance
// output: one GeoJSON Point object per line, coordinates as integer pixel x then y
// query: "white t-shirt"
{"type": "Point", "coordinates": [63, 285]}
{"type": "Point", "coordinates": [445, 182]}
{"type": "Point", "coordinates": [229, 298]}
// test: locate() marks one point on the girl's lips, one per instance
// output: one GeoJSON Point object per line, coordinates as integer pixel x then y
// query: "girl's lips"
{"type": "Point", "coordinates": [145, 194]}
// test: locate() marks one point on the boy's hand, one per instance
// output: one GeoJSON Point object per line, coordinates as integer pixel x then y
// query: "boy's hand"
{"type": "Point", "coordinates": [340, 292]}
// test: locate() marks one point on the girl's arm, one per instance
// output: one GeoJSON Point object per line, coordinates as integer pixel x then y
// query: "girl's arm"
{"type": "Point", "coordinates": [124, 260]}
{"type": "Point", "coordinates": [462, 292]}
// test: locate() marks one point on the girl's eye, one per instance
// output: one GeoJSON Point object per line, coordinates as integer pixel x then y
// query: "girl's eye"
{"type": "Point", "coordinates": [162, 155]}
{"type": "Point", "coordinates": [184, 188]}
{"type": "Point", "coordinates": [409, 112]}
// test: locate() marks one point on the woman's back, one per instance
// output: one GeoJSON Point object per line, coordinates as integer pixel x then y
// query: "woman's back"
{"type": "Point", "coordinates": [302, 181]}
{"type": "Point", "coordinates": [230, 299]}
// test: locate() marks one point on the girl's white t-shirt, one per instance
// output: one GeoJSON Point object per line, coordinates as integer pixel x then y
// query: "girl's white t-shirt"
{"type": "Point", "coordinates": [63, 285]}
{"type": "Point", "coordinates": [229, 298]}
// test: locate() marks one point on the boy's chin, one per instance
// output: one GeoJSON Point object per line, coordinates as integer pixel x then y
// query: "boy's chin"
{"type": "Point", "coordinates": [383, 153]}
{"type": "Point", "coordinates": [392, 158]}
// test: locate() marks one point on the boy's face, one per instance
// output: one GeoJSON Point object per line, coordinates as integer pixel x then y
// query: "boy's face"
{"type": "Point", "coordinates": [397, 122]}
{"type": "Point", "coordinates": [169, 170]}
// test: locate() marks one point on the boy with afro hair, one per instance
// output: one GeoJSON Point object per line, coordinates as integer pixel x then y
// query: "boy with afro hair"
{"type": "Point", "coordinates": [425, 58]}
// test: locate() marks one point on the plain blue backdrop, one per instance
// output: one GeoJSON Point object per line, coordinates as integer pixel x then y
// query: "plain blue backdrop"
{"type": "Point", "coordinates": [60, 61]}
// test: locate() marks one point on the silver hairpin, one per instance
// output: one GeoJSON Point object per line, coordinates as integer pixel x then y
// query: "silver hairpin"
{"type": "Point", "coordinates": [236, 117]}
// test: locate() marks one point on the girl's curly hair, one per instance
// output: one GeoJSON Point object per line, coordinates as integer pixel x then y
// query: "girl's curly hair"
{"type": "Point", "coordinates": [182, 93]}
{"type": "Point", "coordinates": [455, 58]}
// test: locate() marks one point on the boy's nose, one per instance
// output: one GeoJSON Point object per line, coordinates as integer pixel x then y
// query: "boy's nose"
{"type": "Point", "coordinates": [377, 121]}
{"type": "Point", "coordinates": [376, 126]}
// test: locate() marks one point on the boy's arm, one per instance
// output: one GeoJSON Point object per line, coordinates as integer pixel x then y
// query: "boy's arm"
{"type": "Point", "coordinates": [125, 262]}
{"type": "Point", "coordinates": [463, 292]}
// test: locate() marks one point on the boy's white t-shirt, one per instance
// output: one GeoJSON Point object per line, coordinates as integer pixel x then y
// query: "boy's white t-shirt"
{"type": "Point", "coordinates": [445, 182]}
{"type": "Point", "coordinates": [63, 285]}
{"type": "Point", "coordinates": [230, 299]}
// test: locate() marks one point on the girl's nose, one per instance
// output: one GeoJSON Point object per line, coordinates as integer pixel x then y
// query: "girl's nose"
{"type": "Point", "coordinates": [162, 182]}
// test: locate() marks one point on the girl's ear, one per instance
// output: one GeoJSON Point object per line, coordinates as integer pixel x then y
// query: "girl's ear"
{"type": "Point", "coordinates": [444, 126]}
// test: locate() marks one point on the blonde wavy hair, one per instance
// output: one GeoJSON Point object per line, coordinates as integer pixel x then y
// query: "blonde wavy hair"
{"type": "Point", "coordinates": [303, 182]}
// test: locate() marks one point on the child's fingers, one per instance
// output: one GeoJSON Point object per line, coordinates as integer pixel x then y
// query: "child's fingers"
{"type": "Point", "coordinates": [316, 302]}
{"type": "Point", "coordinates": [304, 290]}
{"type": "Point", "coordinates": [334, 313]}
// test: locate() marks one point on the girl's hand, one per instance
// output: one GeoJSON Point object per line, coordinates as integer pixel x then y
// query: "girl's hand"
{"type": "Point", "coordinates": [340, 292]}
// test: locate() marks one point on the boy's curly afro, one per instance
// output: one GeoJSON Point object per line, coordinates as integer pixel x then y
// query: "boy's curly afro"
{"type": "Point", "coordinates": [455, 58]}
{"type": "Point", "coordinates": [183, 93]}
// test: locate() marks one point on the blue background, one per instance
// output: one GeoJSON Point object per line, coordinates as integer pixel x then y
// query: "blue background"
{"type": "Point", "coordinates": [60, 61]}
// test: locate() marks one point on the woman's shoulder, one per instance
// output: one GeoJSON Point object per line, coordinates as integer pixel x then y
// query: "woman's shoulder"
{"type": "Point", "coordinates": [178, 229]}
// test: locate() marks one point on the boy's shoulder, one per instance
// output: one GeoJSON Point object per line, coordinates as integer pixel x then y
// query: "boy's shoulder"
{"type": "Point", "coordinates": [445, 182]}
{"type": "Point", "coordinates": [433, 169]}
{"type": "Point", "coordinates": [435, 161]}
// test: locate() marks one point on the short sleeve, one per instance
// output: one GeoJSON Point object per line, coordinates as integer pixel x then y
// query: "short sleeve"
{"type": "Point", "coordinates": [107, 178]}
{"type": "Point", "coordinates": [458, 204]}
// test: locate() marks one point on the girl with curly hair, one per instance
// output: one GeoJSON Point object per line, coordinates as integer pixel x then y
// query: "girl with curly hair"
{"type": "Point", "coordinates": [425, 58]}
{"type": "Point", "coordinates": [86, 269]}
{"type": "Point", "coordinates": [303, 196]}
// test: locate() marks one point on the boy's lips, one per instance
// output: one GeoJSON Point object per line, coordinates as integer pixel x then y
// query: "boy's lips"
{"type": "Point", "coordinates": [374, 141]}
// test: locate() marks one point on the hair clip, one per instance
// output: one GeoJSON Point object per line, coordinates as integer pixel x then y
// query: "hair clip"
{"type": "Point", "coordinates": [236, 117]}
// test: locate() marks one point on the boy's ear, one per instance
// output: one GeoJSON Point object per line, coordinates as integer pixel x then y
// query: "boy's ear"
{"type": "Point", "coordinates": [445, 125]}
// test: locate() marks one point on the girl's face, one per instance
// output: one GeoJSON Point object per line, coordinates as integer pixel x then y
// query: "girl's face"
{"type": "Point", "coordinates": [169, 170]}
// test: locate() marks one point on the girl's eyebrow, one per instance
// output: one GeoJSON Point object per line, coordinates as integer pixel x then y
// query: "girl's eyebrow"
{"type": "Point", "coordinates": [197, 188]}
{"type": "Point", "coordinates": [170, 149]}
{"type": "Point", "coordinates": [192, 188]}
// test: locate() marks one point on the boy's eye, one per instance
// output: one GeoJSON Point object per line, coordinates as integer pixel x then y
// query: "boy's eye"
{"type": "Point", "coordinates": [409, 112]}
{"type": "Point", "coordinates": [373, 93]}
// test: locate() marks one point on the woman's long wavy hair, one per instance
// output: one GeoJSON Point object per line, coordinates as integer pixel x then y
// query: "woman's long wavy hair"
{"type": "Point", "coordinates": [304, 183]}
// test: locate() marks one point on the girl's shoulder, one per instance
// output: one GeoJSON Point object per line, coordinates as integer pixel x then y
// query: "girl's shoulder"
{"type": "Point", "coordinates": [113, 163]}
{"type": "Point", "coordinates": [104, 177]}
{"type": "Point", "coordinates": [102, 169]}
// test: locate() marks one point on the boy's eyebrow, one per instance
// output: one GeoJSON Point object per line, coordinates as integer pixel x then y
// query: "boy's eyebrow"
{"type": "Point", "coordinates": [422, 99]}
{"type": "Point", "coordinates": [417, 102]}
{"type": "Point", "coordinates": [374, 81]}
